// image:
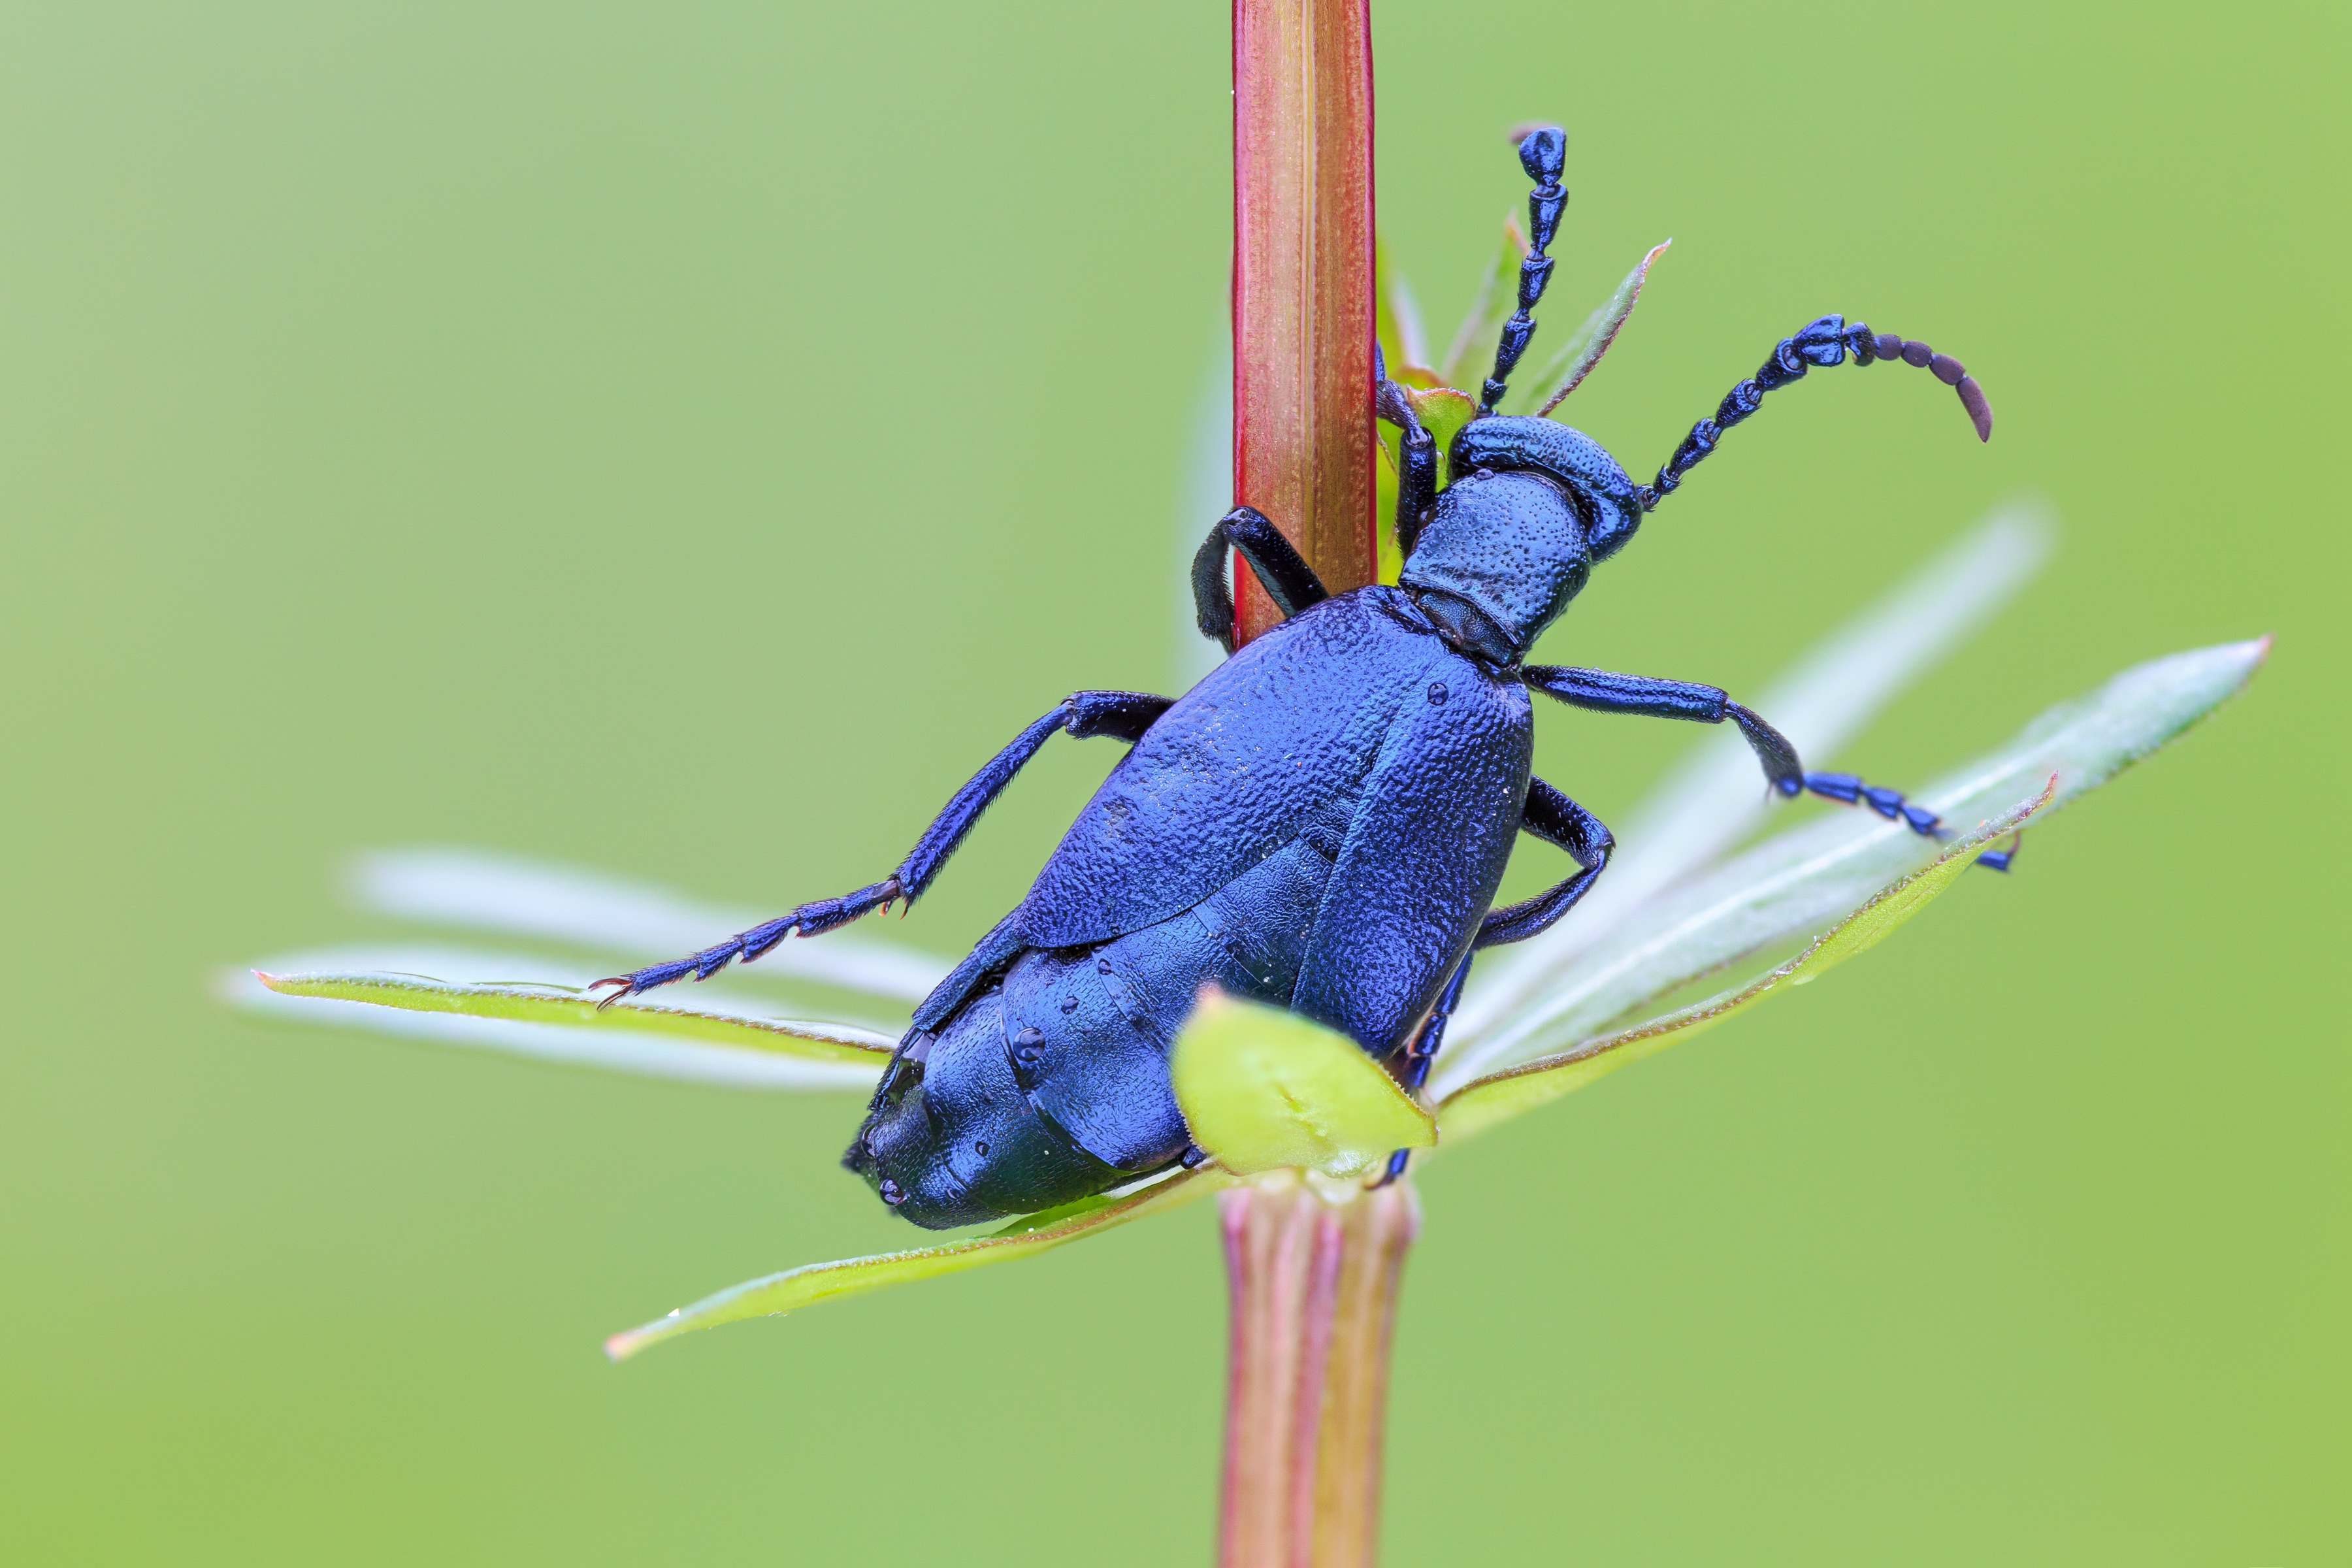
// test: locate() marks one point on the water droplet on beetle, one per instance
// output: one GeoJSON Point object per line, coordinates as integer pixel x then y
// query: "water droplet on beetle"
{"type": "Point", "coordinates": [1030, 1036]}
{"type": "Point", "coordinates": [1102, 967]}
{"type": "Point", "coordinates": [981, 1147]}
{"type": "Point", "coordinates": [892, 1193]}
{"type": "Point", "coordinates": [1069, 1004]}
{"type": "Point", "coordinates": [1437, 694]}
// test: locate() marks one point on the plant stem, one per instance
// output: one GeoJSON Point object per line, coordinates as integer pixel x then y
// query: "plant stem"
{"type": "Point", "coordinates": [1303, 287]}
{"type": "Point", "coordinates": [1312, 1270]}
{"type": "Point", "coordinates": [1314, 1273]}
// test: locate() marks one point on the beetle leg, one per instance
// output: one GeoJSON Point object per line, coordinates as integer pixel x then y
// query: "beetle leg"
{"type": "Point", "coordinates": [1604, 691]}
{"type": "Point", "coordinates": [1416, 454]}
{"type": "Point", "coordinates": [1289, 580]}
{"type": "Point", "coordinates": [2002, 859]}
{"type": "Point", "coordinates": [1422, 1051]}
{"type": "Point", "coordinates": [1124, 715]}
{"type": "Point", "coordinates": [1555, 819]}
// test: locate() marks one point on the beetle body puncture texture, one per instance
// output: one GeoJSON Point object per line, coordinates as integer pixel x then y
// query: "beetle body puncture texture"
{"type": "Point", "coordinates": [1322, 824]}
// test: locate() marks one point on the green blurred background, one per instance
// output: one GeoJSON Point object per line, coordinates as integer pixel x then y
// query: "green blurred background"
{"type": "Point", "coordinates": [686, 439]}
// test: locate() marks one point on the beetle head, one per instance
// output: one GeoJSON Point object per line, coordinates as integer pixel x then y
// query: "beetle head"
{"type": "Point", "coordinates": [1533, 504]}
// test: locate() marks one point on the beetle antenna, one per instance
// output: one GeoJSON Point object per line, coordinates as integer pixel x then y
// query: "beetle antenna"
{"type": "Point", "coordinates": [1543, 153]}
{"type": "Point", "coordinates": [1822, 342]}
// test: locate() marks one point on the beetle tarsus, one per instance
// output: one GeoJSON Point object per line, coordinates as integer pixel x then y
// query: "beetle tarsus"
{"type": "Point", "coordinates": [1848, 789]}
{"type": "Point", "coordinates": [2003, 858]}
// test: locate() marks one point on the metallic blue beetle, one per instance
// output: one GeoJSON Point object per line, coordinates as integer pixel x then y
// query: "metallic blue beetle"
{"type": "Point", "coordinates": [1322, 824]}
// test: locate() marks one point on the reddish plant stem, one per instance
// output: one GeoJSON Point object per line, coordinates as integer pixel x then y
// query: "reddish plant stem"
{"type": "Point", "coordinates": [1303, 287]}
{"type": "Point", "coordinates": [1314, 1278]}
{"type": "Point", "coordinates": [1314, 1282]}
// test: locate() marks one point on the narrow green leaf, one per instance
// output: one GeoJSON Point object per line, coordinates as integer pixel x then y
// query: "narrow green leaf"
{"type": "Point", "coordinates": [1566, 370]}
{"type": "Point", "coordinates": [563, 1005]}
{"type": "Point", "coordinates": [1806, 878]}
{"type": "Point", "coordinates": [1498, 296]}
{"type": "Point", "coordinates": [1485, 1101]}
{"type": "Point", "coordinates": [1266, 1089]}
{"type": "Point", "coordinates": [775, 1294]}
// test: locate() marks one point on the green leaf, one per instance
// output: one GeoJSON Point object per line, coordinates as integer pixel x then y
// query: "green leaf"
{"type": "Point", "coordinates": [1574, 360]}
{"type": "Point", "coordinates": [1485, 1101]}
{"type": "Point", "coordinates": [562, 1005]}
{"type": "Point", "coordinates": [1812, 876]}
{"type": "Point", "coordinates": [1391, 566]}
{"type": "Point", "coordinates": [1442, 411]}
{"type": "Point", "coordinates": [1498, 296]}
{"type": "Point", "coordinates": [775, 1294]}
{"type": "Point", "coordinates": [1266, 1089]}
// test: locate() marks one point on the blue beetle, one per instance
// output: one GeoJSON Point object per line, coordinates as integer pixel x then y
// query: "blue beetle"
{"type": "Point", "coordinates": [1322, 824]}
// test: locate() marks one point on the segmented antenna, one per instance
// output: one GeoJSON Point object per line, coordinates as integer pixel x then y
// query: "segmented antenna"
{"type": "Point", "coordinates": [1542, 154]}
{"type": "Point", "coordinates": [1824, 342]}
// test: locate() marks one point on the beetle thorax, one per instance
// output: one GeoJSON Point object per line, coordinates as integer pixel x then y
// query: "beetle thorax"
{"type": "Point", "coordinates": [1508, 549]}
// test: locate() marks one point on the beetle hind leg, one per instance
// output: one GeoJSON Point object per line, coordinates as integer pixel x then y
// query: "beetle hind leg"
{"type": "Point", "coordinates": [1555, 819]}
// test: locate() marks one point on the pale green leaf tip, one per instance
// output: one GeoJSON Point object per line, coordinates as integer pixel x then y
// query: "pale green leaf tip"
{"type": "Point", "coordinates": [1581, 353]}
{"type": "Point", "coordinates": [1263, 1088]}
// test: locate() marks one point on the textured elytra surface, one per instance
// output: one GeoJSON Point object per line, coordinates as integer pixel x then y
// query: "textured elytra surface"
{"type": "Point", "coordinates": [1275, 744]}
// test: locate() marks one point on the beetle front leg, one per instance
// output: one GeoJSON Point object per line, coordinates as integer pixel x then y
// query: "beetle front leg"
{"type": "Point", "coordinates": [1416, 455]}
{"type": "Point", "coordinates": [1123, 715]}
{"type": "Point", "coordinates": [1289, 580]}
{"type": "Point", "coordinates": [1604, 691]}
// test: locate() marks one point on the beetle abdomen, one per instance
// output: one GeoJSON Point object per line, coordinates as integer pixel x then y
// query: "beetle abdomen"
{"type": "Point", "coordinates": [1054, 1085]}
{"type": "Point", "coordinates": [951, 1140]}
{"type": "Point", "coordinates": [1098, 1023]}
